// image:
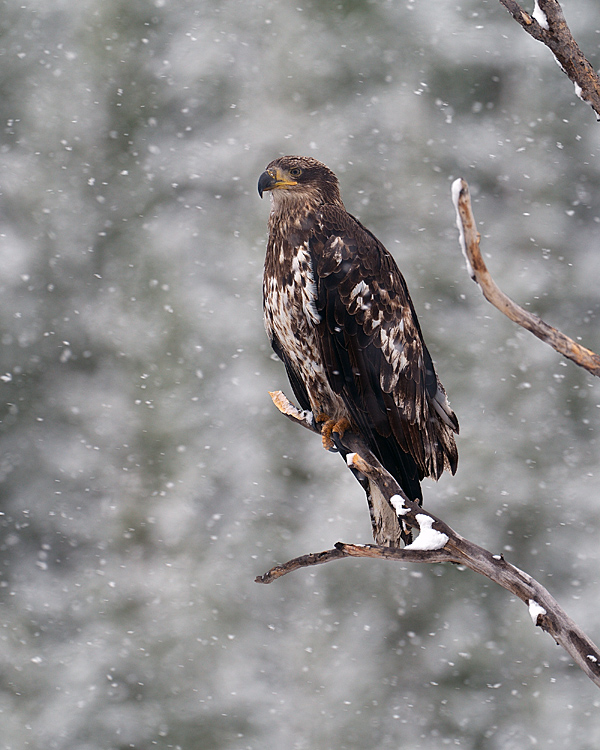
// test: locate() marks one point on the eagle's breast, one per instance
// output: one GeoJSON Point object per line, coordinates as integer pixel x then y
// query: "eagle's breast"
{"type": "Point", "coordinates": [291, 315]}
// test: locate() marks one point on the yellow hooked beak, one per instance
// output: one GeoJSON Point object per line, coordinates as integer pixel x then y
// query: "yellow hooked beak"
{"type": "Point", "coordinates": [272, 179]}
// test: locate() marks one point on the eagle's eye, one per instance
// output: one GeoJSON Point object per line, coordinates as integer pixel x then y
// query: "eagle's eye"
{"type": "Point", "coordinates": [295, 171]}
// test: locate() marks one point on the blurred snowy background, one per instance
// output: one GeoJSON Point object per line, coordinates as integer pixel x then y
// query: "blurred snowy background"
{"type": "Point", "coordinates": [146, 478]}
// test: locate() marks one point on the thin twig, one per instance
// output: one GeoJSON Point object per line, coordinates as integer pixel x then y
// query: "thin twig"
{"type": "Point", "coordinates": [469, 241]}
{"type": "Point", "coordinates": [341, 549]}
{"type": "Point", "coordinates": [304, 561]}
{"type": "Point", "coordinates": [547, 24]}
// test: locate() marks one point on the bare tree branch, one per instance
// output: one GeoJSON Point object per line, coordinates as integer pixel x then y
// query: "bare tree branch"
{"type": "Point", "coordinates": [469, 241]}
{"type": "Point", "coordinates": [438, 542]}
{"type": "Point", "coordinates": [304, 561]}
{"type": "Point", "coordinates": [547, 24]}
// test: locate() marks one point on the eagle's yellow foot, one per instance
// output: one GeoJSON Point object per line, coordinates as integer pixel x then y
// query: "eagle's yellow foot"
{"type": "Point", "coordinates": [330, 426]}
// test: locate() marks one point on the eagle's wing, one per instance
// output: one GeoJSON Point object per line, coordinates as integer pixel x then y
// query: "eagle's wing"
{"type": "Point", "coordinates": [373, 350]}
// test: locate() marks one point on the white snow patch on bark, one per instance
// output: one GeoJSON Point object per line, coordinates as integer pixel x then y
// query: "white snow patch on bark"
{"type": "Point", "coordinates": [397, 502]}
{"type": "Point", "coordinates": [535, 610]}
{"type": "Point", "coordinates": [540, 16]}
{"type": "Point", "coordinates": [456, 188]}
{"type": "Point", "coordinates": [429, 538]}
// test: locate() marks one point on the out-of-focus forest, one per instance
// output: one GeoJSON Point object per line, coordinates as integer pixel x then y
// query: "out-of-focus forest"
{"type": "Point", "coordinates": [146, 478]}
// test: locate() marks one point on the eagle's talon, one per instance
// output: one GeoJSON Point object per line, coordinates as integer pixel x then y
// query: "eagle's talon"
{"type": "Point", "coordinates": [329, 427]}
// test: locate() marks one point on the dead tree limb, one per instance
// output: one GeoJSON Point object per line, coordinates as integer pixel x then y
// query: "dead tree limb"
{"type": "Point", "coordinates": [547, 24]}
{"type": "Point", "coordinates": [437, 542]}
{"type": "Point", "coordinates": [469, 241]}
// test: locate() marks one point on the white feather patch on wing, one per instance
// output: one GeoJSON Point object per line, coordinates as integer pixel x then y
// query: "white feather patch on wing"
{"type": "Point", "coordinates": [304, 276]}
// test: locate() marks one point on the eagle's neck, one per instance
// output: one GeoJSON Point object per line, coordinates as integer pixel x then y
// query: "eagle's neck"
{"type": "Point", "coordinates": [291, 215]}
{"type": "Point", "coordinates": [301, 201]}
{"type": "Point", "coordinates": [294, 212]}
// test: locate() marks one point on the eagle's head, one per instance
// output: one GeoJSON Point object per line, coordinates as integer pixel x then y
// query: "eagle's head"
{"type": "Point", "coordinates": [303, 179]}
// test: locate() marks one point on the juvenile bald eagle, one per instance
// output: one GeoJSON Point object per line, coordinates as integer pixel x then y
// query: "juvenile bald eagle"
{"type": "Point", "coordinates": [338, 314]}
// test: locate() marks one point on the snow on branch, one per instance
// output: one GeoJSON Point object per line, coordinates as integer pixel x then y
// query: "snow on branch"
{"type": "Point", "coordinates": [440, 543]}
{"type": "Point", "coordinates": [469, 241]}
{"type": "Point", "coordinates": [547, 24]}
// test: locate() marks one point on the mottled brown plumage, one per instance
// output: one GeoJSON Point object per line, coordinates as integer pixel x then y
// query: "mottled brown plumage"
{"type": "Point", "coordinates": [339, 314]}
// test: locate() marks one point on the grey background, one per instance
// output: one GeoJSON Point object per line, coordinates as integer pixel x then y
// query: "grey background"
{"type": "Point", "coordinates": [146, 478]}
